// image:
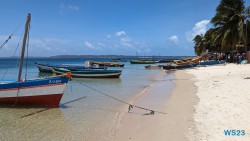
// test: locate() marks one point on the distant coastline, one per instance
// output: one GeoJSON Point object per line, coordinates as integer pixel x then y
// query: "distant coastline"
{"type": "Point", "coordinates": [104, 56]}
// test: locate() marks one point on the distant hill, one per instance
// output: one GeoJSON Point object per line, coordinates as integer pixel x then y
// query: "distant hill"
{"type": "Point", "coordinates": [116, 56]}
{"type": "Point", "coordinates": [106, 57]}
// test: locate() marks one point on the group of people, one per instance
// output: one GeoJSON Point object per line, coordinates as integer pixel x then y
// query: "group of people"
{"type": "Point", "coordinates": [238, 58]}
{"type": "Point", "coordinates": [230, 57]}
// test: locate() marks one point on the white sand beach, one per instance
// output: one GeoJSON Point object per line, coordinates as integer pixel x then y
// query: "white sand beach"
{"type": "Point", "coordinates": [176, 125]}
{"type": "Point", "coordinates": [224, 102]}
{"type": "Point", "coordinates": [201, 106]}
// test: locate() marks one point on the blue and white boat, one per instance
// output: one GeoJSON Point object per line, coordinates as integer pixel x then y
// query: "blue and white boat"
{"type": "Point", "coordinates": [37, 92]}
{"type": "Point", "coordinates": [49, 68]}
{"type": "Point", "coordinates": [46, 92]}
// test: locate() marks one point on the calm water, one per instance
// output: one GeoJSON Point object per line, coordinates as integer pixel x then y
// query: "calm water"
{"type": "Point", "coordinates": [93, 118]}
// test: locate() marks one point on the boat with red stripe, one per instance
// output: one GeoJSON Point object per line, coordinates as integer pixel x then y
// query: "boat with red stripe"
{"type": "Point", "coordinates": [41, 92]}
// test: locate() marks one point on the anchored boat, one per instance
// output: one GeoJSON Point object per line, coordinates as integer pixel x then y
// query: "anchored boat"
{"type": "Point", "coordinates": [89, 73]}
{"type": "Point", "coordinates": [143, 61]}
{"type": "Point", "coordinates": [46, 92]}
{"type": "Point", "coordinates": [106, 64]}
{"type": "Point", "coordinates": [153, 67]}
{"type": "Point", "coordinates": [48, 68]}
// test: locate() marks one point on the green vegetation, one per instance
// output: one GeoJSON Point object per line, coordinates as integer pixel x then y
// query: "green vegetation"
{"type": "Point", "coordinates": [231, 27]}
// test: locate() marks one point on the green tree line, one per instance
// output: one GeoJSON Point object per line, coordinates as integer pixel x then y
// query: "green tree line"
{"type": "Point", "coordinates": [231, 27]}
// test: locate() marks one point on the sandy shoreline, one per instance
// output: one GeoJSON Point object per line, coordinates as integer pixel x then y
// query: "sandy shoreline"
{"type": "Point", "coordinates": [176, 125]}
{"type": "Point", "coordinates": [205, 102]}
{"type": "Point", "coordinates": [224, 102]}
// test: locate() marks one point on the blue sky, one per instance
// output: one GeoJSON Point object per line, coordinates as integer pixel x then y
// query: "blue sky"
{"type": "Point", "coordinates": [104, 27]}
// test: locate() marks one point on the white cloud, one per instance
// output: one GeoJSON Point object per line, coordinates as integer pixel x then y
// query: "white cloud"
{"type": "Point", "coordinates": [37, 46]}
{"type": "Point", "coordinates": [101, 44]}
{"type": "Point", "coordinates": [126, 41]}
{"type": "Point", "coordinates": [68, 7]}
{"type": "Point", "coordinates": [174, 38]}
{"type": "Point", "coordinates": [73, 7]}
{"type": "Point", "coordinates": [199, 28]}
{"type": "Point", "coordinates": [120, 33]}
{"type": "Point", "coordinates": [108, 36]}
{"type": "Point", "coordinates": [88, 45]}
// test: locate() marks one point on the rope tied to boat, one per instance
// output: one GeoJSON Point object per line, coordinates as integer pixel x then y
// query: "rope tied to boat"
{"type": "Point", "coordinates": [10, 36]}
{"type": "Point", "coordinates": [152, 112]}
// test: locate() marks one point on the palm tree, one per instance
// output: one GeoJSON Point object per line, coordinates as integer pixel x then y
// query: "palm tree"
{"type": "Point", "coordinates": [210, 43]}
{"type": "Point", "coordinates": [247, 27]}
{"type": "Point", "coordinates": [205, 42]}
{"type": "Point", "coordinates": [229, 23]}
{"type": "Point", "coordinates": [199, 47]}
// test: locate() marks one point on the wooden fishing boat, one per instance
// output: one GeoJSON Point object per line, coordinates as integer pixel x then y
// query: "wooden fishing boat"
{"type": "Point", "coordinates": [187, 61]}
{"type": "Point", "coordinates": [118, 60]}
{"type": "Point", "coordinates": [46, 92]}
{"type": "Point", "coordinates": [169, 67]}
{"type": "Point", "coordinates": [165, 61]}
{"type": "Point", "coordinates": [143, 61]}
{"type": "Point", "coordinates": [89, 73]}
{"type": "Point", "coordinates": [182, 62]}
{"type": "Point", "coordinates": [190, 65]}
{"type": "Point", "coordinates": [106, 64]}
{"type": "Point", "coordinates": [210, 63]}
{"type": "Point", "coordinates": [196, 60]}
{"type": "Point", "coordinates": [153, 67]}
{"type": "Point", "coordinates": [48, 68]}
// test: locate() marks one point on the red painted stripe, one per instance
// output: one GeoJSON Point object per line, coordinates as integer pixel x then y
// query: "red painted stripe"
{"type": "Point", "coordinates": [12, 89]}
{"type": "Point", "coordinates": [31, 87]}
{"type": "Point", "coordinates": [52, 100]}
{"type": "Point", "coordinates": [48, 85]}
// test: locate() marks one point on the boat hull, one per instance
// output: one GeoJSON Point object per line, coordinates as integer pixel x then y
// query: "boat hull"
{"type": "Point", "coordinates": [90, 73]}
{"type": "Point", "coordinates": [209, 63]}
{"type": "Point", "coordinates": [40, 92]}
{"type": "Point", "coordinates": [49, 68]}
{"type": "Point", "coordinates": [153, 67]}
{"type": "Point", "coordinates": [44, 68]}
{"type": "Point", "coordinates": [113, 75]}
{"type": "Point", "coordinates": [179, 66]}
{"type": "Point", "coordinates": [142, 62]}
{"type": "Point", "coordinates": [52, 100]}
{"type": "Point", "coordinates": [106, 64]}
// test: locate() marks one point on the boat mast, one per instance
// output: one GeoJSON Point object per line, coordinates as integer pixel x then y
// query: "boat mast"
{"type": "Point", "coordinates": [246, 38]}
{"type": "Point", "coordinates": [27, 25]}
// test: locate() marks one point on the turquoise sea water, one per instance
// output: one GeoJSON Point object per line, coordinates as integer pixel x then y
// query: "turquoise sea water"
{"type": "Point", "coordinates": [93, 118]}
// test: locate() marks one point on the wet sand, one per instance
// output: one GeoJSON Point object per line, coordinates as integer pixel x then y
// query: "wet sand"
{"type": "Point", "coordinates": [176, 125]}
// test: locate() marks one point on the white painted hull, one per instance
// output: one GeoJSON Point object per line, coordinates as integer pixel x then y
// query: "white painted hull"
{"type": "Point", "coordinates": [33, 91]}
{"type": "Point", "coordinates": [40, 92]}
{"type": "Point", "coordinates": [82, 75]}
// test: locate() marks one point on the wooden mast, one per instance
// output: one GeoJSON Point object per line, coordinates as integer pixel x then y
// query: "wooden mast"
{"type": "Point", "coordinates": [23, 46]}
{"type": "Point", "coordinates": [246, 38]}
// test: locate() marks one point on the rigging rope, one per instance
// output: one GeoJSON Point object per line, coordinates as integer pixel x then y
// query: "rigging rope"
{"type": "Point", "coordinates": [13, 57]}
{"type": "Point", "coordinates": [130, 105]}
{"type": "Point", "coordinates": [6, 41]}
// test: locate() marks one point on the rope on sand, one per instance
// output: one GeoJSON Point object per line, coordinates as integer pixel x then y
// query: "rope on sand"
{"type": "Point", "coordinates": [152, 112]}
